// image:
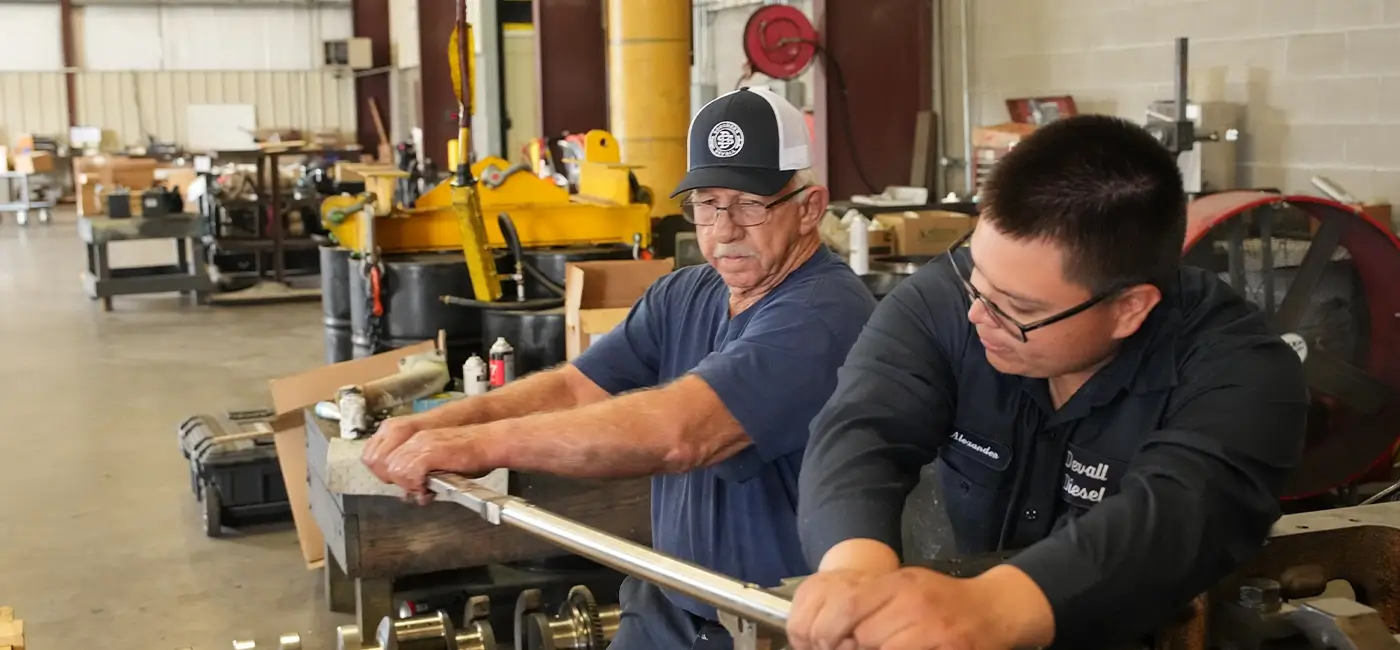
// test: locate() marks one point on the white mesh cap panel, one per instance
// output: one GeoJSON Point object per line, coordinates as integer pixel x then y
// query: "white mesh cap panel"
{"type": "Point", "coordinates": [795, 151]}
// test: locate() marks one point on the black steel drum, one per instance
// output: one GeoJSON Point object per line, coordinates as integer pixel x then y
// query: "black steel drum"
{"type": "Point", "coordinates": [411, 293]}
{"type": "Point", "coordinates": [552, 262]}
{"type": "Point", "coordinates": [335, 302]}
{"type": "Point", "coordinates": [537, 336]}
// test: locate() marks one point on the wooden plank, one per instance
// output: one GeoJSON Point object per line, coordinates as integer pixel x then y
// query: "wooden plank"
{"type": "Point", "coordinates": [399, 539]}
{"type": "Point", "coordinates": [386, 537]}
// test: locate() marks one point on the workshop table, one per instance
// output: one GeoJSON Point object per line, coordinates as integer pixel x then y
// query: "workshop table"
{"type": "Point", "coordinates": [187, 275]}
{"type": "Point", "coordinates": [372, 541]}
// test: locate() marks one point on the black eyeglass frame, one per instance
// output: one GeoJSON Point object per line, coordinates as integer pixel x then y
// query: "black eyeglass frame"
{"type": "Point", "coordinates": [1005, 320]}
{"type": "Point", "coordinates": [688, 209]}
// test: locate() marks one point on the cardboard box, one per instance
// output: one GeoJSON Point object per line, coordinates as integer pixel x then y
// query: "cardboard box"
{"type": "Point", "coordinates": [101, 204]}
{"type": "Point", "coordinates": [881, 242]}
{"type": "Point", "coordinates": [290, 395]}
{"type": "Point", "coordinates": [179, 179]}
{"type": "Point", "coordinates": [927, 232]}
{"type": "Point", "coordinates": [598, 296]}
{"type": "Point", "coordinates": [111, 171]}
{"type": "Point", "coordinates": [1001, 136]}
{"type": "Point", "coordinates": [37, 162]}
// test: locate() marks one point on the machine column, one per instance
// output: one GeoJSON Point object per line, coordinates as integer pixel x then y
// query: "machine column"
{"type": "Point", "coordinates": [649, 91]}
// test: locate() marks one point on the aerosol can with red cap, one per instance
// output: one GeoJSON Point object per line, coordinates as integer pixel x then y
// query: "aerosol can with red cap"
{"type": "Point", "coordinates": [502, 363]}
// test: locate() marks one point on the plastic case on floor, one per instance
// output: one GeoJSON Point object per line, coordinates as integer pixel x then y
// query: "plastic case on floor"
{"type": "Point", "coordinates": [233, 469]}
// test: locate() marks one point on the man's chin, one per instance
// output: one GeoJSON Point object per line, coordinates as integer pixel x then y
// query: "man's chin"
{"type": "Point", "coordinates": [1005, 363]}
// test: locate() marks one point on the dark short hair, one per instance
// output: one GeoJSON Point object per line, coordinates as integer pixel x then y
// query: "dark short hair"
{"type": "Point", "coordinates": [1102, 188]}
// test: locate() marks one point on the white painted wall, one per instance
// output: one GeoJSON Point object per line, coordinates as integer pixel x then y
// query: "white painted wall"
{"type": "Point", "coordinates": [209, 38]}
{"type": "Point", "coordinates": [1319, 80]}
{"type": "Point", "coordinates": [404, 46]}
{"type": "Point", "coordinates": [719, 51]}
{"type": "Point", "coordinates": [30, 42]}
{"type": "Point", "coordinates": [403, 32]}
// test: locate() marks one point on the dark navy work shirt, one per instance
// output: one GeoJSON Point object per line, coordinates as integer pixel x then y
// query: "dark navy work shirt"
{"type": "Point", "coordinates": [773, 365]}
{"type": "Point", "coordinates": [1151, 483]}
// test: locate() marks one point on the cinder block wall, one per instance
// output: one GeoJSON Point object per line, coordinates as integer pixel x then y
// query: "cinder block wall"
{"type": "Point", "coordinates": [1319, 79]}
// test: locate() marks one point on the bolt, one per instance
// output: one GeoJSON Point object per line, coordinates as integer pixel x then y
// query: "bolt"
{"type": "Point", "coordinates": [1261, 594]}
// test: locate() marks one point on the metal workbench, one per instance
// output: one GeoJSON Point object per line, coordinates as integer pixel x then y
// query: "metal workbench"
{"type": "Point", "coordinates": [374, 541]}
{"type": "Point", "coordinates": [187, 276]}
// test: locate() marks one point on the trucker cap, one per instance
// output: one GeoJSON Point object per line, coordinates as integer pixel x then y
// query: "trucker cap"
{"type": "Point", "coordinates": [751, 140]}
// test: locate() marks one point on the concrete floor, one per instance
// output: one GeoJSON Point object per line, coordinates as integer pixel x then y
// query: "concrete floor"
{"type": "Point", "coordinates": [101, 544]}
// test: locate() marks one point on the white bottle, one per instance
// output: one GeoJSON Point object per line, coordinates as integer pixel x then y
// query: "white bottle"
{"type": "Point", "coordinates": [474, 377]}
{"type": "Point", "coordinates": [859, 229]}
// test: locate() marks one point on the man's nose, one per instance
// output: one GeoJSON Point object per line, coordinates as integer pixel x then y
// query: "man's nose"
{"type": "Point", "coordinates": [977, 313]}
{"type": "Point", "coordinates": [725, 229]}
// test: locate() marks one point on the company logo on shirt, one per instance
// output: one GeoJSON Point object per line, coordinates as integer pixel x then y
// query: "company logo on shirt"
{"type": "Point", "coordinates": [989, 452]}
{"type": "Point", "coordinates": [1088, 476]}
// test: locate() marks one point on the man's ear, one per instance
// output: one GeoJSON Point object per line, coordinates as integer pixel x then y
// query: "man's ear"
{"type": "Point", "coordinates": [1131, 308]}
{"type": "Point", "coordinates": [812, 206]}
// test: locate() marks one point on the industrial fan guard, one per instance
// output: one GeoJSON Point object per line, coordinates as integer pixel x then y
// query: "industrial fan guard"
{"type": "Point", "coordinates": [1337, 302]}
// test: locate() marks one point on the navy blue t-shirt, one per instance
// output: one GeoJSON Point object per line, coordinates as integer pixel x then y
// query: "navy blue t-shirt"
{"type": "Point", "coordinates": [774, 366]}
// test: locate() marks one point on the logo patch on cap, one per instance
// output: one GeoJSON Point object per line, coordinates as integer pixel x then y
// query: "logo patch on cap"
{"type": "Point", "coordinates": [726, 140]}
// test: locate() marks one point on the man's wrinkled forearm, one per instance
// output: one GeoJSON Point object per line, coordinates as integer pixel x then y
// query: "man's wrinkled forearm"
{"type": "Point", "coordinates": [666, 430]}
{"type": "Point", "coordinates": [535, 393]}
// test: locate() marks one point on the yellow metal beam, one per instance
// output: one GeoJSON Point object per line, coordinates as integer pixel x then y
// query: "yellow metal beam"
{"type": "Point", "coordinates": [649, 91]}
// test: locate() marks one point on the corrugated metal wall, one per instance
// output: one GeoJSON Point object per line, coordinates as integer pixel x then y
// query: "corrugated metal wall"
{"type": "Point", "coordinates": [144, 65]}
{"type": "Point", "coordinates": [32, 102]}
{"type": "Point", "coordinates": [137, 103]}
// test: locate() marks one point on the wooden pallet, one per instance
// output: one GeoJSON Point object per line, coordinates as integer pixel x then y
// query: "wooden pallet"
{"type": "Point", "coordinates": [11, 630]}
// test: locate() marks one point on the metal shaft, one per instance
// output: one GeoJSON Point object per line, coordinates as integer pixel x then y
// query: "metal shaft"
{"type": "Point", "coordinates": [726, 594]}
{"type": "Point", "coordinates": [1182, 61]}
{"type": "Point", "coordinates": [965, 61]}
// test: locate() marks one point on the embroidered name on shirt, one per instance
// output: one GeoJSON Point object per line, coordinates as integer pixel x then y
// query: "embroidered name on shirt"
{"type": "Point", "coordinates": [985, 450]}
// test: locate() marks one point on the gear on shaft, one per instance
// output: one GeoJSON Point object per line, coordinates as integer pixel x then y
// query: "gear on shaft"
{"type": "Point", "coordinates": [580, 623]}
{"type": "Point", "coordinates": [432, 631]}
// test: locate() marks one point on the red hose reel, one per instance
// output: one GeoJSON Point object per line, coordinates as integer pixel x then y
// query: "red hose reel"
{"type": "Point", "coordinates": [1328, 277]}
{"type": "Point", "coordinates": [779, 41]}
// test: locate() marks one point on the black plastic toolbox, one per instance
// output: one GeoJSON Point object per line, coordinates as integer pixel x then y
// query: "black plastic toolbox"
{"type": "Point", "coordinates": [233, 469]}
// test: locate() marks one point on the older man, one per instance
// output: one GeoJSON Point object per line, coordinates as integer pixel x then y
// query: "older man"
{"type": "Point", "coordinates": [734, 359]}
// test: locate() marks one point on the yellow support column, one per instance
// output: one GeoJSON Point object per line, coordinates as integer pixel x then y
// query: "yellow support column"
{"type": "Point", "coordinates": [649, 91]}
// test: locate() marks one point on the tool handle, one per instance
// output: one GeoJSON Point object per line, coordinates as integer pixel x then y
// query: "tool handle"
{"type": "Point", "coordinates": [726, 594]}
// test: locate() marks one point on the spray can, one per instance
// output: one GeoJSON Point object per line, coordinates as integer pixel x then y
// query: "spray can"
{"type": "Point", "coordinates": [502, 362]}
{"type": "Point", "coordinates": [859, 230]}
{"type": "Point", "coordinates": [475, 379]}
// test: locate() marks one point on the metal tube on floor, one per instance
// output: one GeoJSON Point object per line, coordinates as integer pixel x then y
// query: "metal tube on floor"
{"type": "Point", "coordinates": [726, 594]}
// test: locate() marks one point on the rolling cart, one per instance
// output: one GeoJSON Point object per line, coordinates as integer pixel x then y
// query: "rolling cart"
{"type": "Point", "coordinates": [19, 196]}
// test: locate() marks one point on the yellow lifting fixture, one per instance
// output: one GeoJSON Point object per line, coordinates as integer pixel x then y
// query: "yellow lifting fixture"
{"type": "Point", "coordinates": [609, 208]}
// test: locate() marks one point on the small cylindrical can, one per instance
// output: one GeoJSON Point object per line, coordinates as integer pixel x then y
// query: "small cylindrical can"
{"type": "Point", "coordinates": [502, 357]}
{"type": "Point", "coordinates": [476, 379]}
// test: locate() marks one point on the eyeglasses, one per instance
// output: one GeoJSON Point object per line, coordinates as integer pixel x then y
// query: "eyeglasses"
{"type": "Point", "coordinates": [745, 214]}
{"type": "Point", "coordinates": [1002, 319]}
